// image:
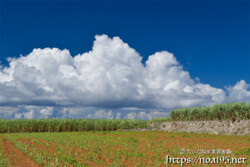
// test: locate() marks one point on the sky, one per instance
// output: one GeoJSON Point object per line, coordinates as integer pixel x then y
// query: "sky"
{"type": "Point", "coordinates": [121, 59]}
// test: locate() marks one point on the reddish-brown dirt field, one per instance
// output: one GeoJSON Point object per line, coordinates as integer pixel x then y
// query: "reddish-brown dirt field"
{"type": "Point", "coordinates": [16, 157]}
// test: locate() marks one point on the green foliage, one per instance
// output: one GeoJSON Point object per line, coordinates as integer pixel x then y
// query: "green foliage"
{"type": "Point", "coordinates": [247, 152]}
{"type": "Point", "coordinates": [3, 160]}
{"type": "Point", "coordinates": [225, 111]}
{"type": "Point", "coordinates": [68, 125]}
{"type": "Point", "coordinates": [162, 119]}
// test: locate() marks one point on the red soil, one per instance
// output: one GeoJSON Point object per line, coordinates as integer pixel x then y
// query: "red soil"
{"type": "Point", "coordinates": [16, 156]}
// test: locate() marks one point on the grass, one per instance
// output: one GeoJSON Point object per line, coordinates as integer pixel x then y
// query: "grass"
{"type": "Point", "coordinates": [227, 111]}
{"type": "Point", "coordinates": [160, 120]}
{"type": "Point", "coordinates": [68, 125]}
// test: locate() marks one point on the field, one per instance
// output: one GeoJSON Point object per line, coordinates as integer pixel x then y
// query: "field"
{"type": "Point", "coordinates": [117, 148]}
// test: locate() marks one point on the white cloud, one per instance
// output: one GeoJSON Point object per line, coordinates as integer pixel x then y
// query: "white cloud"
{"type": "Point", "coordinates": [131, 115]}
{"type": "Point", "coordinates": [29, 115]}
{"type": "Point", "coordinates": [239, 92]}
{"type": "Point", "coordinates": [111, 75]}
{"type": "Point", "coordinates": [32, 112]}
{"type": "Point", "coordinates": [7, 112]}
{"type": "Point", "coordinates": [102, 114]}
{"type": "Point", "coordinates": [46, 112]}
{"type": "Point", "coordinates": [157, 114]}
{"type": "Point", "coordinates": [118, 115]}
{"type": "Point", "coordinates": [146, 115]}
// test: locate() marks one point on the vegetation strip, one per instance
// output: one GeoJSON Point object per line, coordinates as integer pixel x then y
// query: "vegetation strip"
{"type": "Point", "coordinates": [3, 159]}
{"type": "Point", "coordinates": [68, 125]}
{"type": "Point", "coordinates": [16, 156]}
{"type": "Point", "coordinates": [228, 111]}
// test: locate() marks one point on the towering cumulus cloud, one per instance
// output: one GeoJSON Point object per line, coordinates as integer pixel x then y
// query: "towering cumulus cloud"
{"type": "Point", "coordinates": [111, 75]}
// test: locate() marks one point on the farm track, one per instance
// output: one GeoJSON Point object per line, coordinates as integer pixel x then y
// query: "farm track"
{"type": "Point", "coordinates": [16, 156]}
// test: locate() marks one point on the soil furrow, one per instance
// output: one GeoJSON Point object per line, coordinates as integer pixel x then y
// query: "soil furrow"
{"type": "Point", "coordinates": [16, 156]}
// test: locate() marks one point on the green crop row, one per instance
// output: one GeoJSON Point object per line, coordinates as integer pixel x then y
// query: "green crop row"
{"type": "Point", "coordinates": [227, 111]}
{"type": "Point", "coordinates": [162, 119]}
{"type": "Point", "coordinates": [68, 125]}
{"type": "Point", "coordinates": [3, 159]}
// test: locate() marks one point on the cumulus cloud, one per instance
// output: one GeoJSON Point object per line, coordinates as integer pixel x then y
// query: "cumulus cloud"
{"type": "Point", "coordinates": [102, 114]}
{"type": "Point", "coordinates": [111, 75]}
{"type": "Point", "coordinates": [38, 112]}
{"type": "Point", "coordinates": [44, 112]}
{"type": "Point", "coordinates": [33, 112]}
{"type": "Point", "coordinates": [239, 92]}
{"type": "Point", "coordinates": [146, 115]}
{"type": "Point", "coordinates": [7, 112]}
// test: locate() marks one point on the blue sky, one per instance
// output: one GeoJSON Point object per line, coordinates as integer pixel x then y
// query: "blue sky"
{"type": "Point", "coordinates": [209, 39]}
